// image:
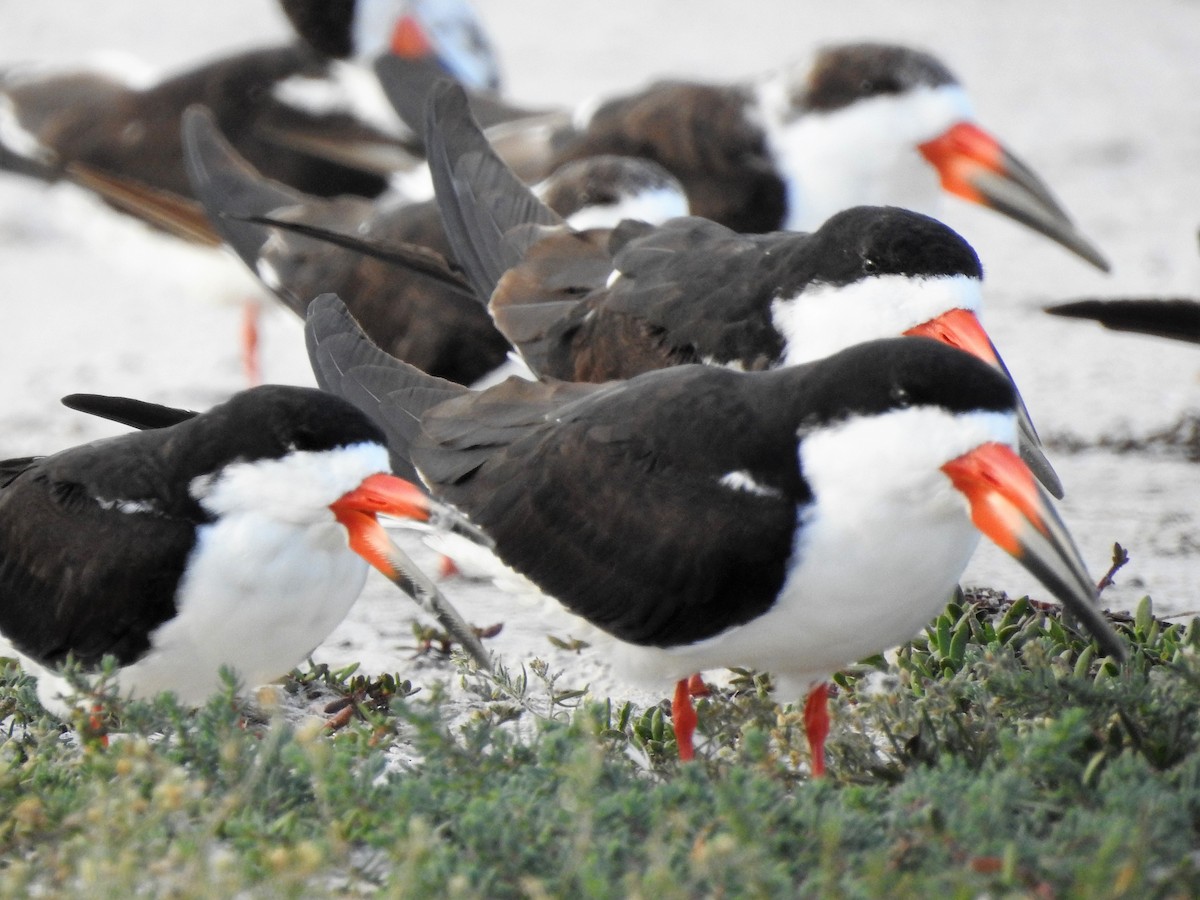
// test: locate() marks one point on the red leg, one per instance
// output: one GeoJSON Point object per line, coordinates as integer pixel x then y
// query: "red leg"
{"type": "Point", "coordinates": [683, 718]}
{"type": "Point", "coordinates": [697, 687]}
{"type": "Point", "coordinates": [95, 724]}
{"type": "Point", "coordinates": [816, 726]}
{"type": "Point", "coordinates": [251, 362]}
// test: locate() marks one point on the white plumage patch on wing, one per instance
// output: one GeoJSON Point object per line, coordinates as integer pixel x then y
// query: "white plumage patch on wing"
{"type": "Point", "coordinates": [129, 507]}
{"type": "Point", "coordinates": [823, 319]}
{"type": "Point", "coordinates": [876, 555]}
{"type": "Point", "coordinates": [268, 273]}
{"type": "Point", "coordinates": [734, 365]}
{"type": "Point", "coordinates": [742, 480]}
{"type": "Point", "coordinates": [15, 138]}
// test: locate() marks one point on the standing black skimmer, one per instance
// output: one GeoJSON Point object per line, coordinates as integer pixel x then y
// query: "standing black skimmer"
{"type": "Point", "coordinates": [597, 305]}
{"type": "Point", "coordinates": [421, 310]}
{"type": "Point", "coordinates": [238, 537]}
{"type": "Point", "coordinates": [793, 520]}
{"type": "Point", "coordinates": [1177, 318]}
{"type": "Point", "coordinates": [859, 124]}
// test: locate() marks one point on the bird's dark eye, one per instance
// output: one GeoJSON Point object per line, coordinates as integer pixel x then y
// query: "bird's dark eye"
{"type": "Point", "coordinates": [866, 86]}
{"type": "Point", "coordinates": [869, 265]}
{"type": "Point", "coordinates": [900, 397]}
{"type": "Point", "coordinates": [301, 438]}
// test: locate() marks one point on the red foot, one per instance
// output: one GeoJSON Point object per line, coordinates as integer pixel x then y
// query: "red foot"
{"type": "Point", "coordinates": [683, 719]}
{"type": "Point", "coordinates": [447, 568]}
{"type": "Point", "coordinates": [96, 725]}
{"type": "Point", "coordinates": [697, 687]}
{"type": "Point", "coordinates": [816, 726]}
{"type": "Point", "coordinates": [251, 358]}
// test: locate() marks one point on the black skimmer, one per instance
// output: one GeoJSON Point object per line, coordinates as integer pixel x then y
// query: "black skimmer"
{"type": "Point", "coordinates": [238, 537]}
{"type": "Point", "coordinates": [794, 520]}
{"type": "Point", "coordinates": [1177, 318]}
{"type": "Point", "coordinates": [859, 124]}
{"type": "Point", "coordinates": [304, 115]}
{"type": "Point", "coordinates": [421, 310]}
{"type": "Point", "coordinates": [598, 305]}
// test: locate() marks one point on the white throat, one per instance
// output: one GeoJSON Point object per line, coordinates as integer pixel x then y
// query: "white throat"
{"type": "Point", "coordinates": [876, 555]}
{"type": "Point", "coordinates": [865, 153]}
{"type": "Point", "coordinates": [823, 319]}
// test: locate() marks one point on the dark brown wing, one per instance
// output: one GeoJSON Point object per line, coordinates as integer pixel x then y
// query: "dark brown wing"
{"type": "Point", "coordinates": [491, 217]}
{"type": "Point", "coordinates": [410, 314]}
{"type": "Point", "coordinates": [701, 135]}
{"type": "Point", "coordinates": [598, 495]}
{"type": "Point", "coordinates": [688, 291]}
{"type": "Point", "coordinates": [90, 554]}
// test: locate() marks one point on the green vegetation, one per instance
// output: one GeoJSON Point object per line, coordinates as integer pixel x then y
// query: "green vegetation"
{"type": "Point", "coordinates": [996, 756]}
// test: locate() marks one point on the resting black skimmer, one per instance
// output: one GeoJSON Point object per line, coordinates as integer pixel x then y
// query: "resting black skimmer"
{"type": "Point", "coordinates": [857, 124]}
{"type": "Point", "coordinates": [418, 308]}
{"type": "Point", "coordinates": [596, 305]}
{"type": "Point", "coordinates": [302, 113]}
{"type": "Point", "coordinates": [311, 117]}
{"type": "Point", "coordinates": [794, 520]}
{"type": "Point", "coordinates": [238, 537]}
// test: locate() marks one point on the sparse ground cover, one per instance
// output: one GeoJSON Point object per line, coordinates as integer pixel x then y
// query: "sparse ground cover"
{"type": "Point", "coordinates": [995, 756]}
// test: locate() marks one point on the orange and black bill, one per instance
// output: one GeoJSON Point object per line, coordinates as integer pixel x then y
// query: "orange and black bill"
{"type": "Point", "coordinates": [1008, 506]}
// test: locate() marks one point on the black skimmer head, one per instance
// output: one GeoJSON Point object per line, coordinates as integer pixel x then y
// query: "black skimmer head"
{"type": "Point", "coordinates": [597, 306]}
{"type": "Point", "coordinates": [794, 520]}
{"type": "Point", "coordinates": [236, 537]}
{"type": "Point", "coordinates": [857, 124]}
{"type": "Point", "coordinates": [602, 191]}
{"type": "Point", "coordinates": [880, 123]}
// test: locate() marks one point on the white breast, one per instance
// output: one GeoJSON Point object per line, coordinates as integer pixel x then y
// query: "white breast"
{"type": "Point", "coordinates": [865, 153]}
{"type": "Point", "coordinates": [876, 557]}
{"type": "Point", "coordinates": [258, 597]}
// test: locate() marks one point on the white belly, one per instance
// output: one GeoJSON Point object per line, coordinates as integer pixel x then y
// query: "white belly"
{"type": "Point", "coordinates": [258, 598]}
